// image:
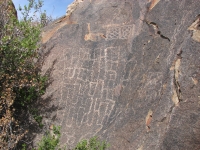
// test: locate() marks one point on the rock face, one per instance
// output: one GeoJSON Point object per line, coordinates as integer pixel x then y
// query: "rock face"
{"type": "Point", "coordinates": [127, 71]}
{"type": "Point", "coordinates": [7, 8]}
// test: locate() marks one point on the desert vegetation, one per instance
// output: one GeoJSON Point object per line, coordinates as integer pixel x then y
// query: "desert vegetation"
{"type": "Point", "coordinates": [21, 82]}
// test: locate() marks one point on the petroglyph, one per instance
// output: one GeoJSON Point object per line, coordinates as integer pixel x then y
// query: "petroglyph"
{"type": "Point", "coordinates": [126, 31]}
{"type": "Point", "coordinates": [119, 32]}
{"type": "Point", "coordinates": [115, 81]}
{"type": "Point", "coordinates": [151, 81]}
{"type": "Point", "coordinates": [93, 36]}
{"type": "Point", "coordinates": [88, 94]}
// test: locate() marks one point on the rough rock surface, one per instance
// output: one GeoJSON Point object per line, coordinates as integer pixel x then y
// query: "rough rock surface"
{"type": "Point", "coordinates": [8, 7]}
{"type": "Point", "coordinates": [127, 71]}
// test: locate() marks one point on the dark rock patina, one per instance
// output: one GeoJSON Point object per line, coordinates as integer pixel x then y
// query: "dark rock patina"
{"type": "Point", "coordinates": [127, 71]}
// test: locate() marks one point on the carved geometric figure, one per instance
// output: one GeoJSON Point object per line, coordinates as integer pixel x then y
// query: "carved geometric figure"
{"type": "Point", "coordinates": [130, 67]}
{"type": "Point", "coordinates": [95, 117]}
{"type": "Point", "coordinates": [95, 72]}
{"type": "Point", "coordinates": [153, 78]}
{"type": "Point", "coordinates": [102, 111]}
{"type": "Point", "coordinates": [67, 131]}
{"type": "Point", "coordinates": [111, 84]}
{"type": "Point", "coordinates": [71, 72]}
{"type": "Point", "coordinates": [126, 31]}
{"type": "Point", "coordinates": [88, 75]}
{"type": "Point", "coordinates": [99, 89]}
{"type": "Point", "coordinates": [109, 53]}
{"type": "Point", "coordinates": [92, 118]}
{"type": "Point", "coordinates": [92, 105]}
{"type": "Point", "coordinates": [82, 74]}
{"type": "Point", "coordinates": [92, 88]}
{"type": "Point", "coordinates": [113, 33]}
{"type": "Point", "coordinates": [84, 53]}
{"type": "Point", "coordinates": [111, 75]}
{"type": "Point", "coordinates": [70, 140]}
{"type": "Point", "coordinates": [97, 103]}
{"type": "Point", "coordinates": [122, 32]}
{"type": "Point", "coordinates": [95, 53]}
{"type": "Point", "coordinates": [104, 94]}
{"type": "Point", "coordinates": [114, 66]}
{"type": "Point", "coordinates": [84, 87]}
{"type": "Point", "coordinates": [102, 63]}
{"type": "Point", "coordinates": [84, 120]}
{"type": "Point", "coordinates": [115, 55]}
{"type": "Point", "coordinates": [87, 64]}
{"type": "Point", "coordinates": [109, 107]}
{"type": "Point", "coordinates": [71, 117]}
{"type": "Point", "coordinates": [153, 81]}
{"type": "Point", "coordinates": [81, 100]}
{"type": "Point", "coordinates": [102, 74]}
{"type": "Point", "coordinates": [110, 94]}
{"type": "Point", "coordinates": [80, 116]}
{"type": "Point", "coordinates": [90, 101]}
{"type": "Point", "coordinates": [74, 61]}
{"type": "Point", "coordinates": [102, 54]}
{"type": "Point", "coordinates": [108, 65]}
{"type": "Point", "coordinates": [67, 80]}
{"type": "Point", "coordinates": [70, 90]}
{"type": "Point", "coordinates": [59, 116]}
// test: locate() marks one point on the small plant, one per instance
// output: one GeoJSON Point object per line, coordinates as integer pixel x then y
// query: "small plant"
{"type": "Point", "coordinates": [51, 140]}
{"type": "Point", "coordinates": [38, 118]}
{"type": "Point", "coordinates": [92, 144]}
{"type": "Point", "coordinates": [23, 146]}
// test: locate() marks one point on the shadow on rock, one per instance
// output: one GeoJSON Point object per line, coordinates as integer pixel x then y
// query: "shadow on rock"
{"type": "Point", "coordinates": [33, 120]}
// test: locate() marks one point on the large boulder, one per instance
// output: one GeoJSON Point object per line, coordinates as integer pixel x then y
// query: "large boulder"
{"type": "Point", "coordinates": [7, 10]}
{"type": "Point", "coordinates": [127, 71]}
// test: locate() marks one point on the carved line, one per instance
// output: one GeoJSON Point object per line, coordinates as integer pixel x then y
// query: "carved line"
{"type": "Point", "coordinates": [122, 32]}
{"type": "Point", "coordinates": [77, 83]}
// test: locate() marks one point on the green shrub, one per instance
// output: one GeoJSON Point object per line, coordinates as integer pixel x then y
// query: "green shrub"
{"type": "Point", "coordinates": [51, 140]}
{"type": "Point", "coordinates": [92, 144]}
{"type": "Point", "coordinates": [20, 81]}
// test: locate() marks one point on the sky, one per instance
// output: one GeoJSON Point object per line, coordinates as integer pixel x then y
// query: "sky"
{"type": "Point", "coordinates": [54, 8]}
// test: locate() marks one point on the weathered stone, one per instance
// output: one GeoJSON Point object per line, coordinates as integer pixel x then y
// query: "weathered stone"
{"type": "Point", "coordinates": [7, 10]}
{"type": "Point", "coordinates": [127, 71]}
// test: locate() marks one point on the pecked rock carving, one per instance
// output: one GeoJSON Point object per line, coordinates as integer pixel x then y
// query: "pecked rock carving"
{"type": "Point", "coordinates": [114, 79]}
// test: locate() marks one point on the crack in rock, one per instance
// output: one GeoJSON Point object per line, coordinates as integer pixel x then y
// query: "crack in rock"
{"type": "Point", "coordinates": [176, 97]}
{"type": "Point", "coordinates": [195, 28]}
{"type": "Point", "coordinates": [154, 29]}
